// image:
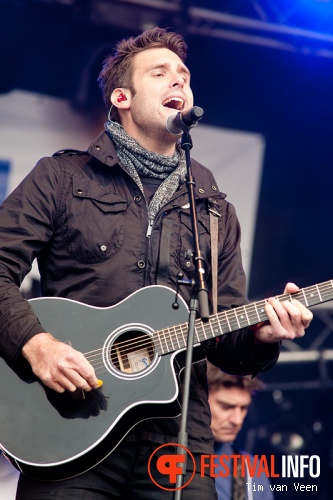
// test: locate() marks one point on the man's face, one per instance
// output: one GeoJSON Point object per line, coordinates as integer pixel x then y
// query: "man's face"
{"type": "Point", "coordinates": [161, 84]}
{"type": "Point", "coordinates": [229, 407]}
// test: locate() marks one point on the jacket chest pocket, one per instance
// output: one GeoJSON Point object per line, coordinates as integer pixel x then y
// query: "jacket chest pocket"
{"type": "Point", "coordinates": [95, 223]}
{"type": "Point", "coordinates": [186, 242]}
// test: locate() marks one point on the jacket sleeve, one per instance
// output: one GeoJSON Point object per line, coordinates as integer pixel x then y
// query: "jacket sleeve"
{"type": "Point", "coordinates": [235, 352]}
{"type": "Point", "coordinates": [27, 219]}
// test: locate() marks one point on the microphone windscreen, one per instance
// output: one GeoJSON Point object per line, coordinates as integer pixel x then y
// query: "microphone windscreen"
{"type": "Point", "coordinates": [171, 124]}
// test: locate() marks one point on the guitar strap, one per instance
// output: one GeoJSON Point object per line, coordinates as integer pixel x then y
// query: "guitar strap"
{"type": "Point", "coordinates": [214, 253]}
{"type": "Point", "coordinates": [164, 257]}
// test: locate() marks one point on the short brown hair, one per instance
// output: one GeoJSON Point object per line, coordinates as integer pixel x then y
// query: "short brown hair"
{"type": "Point", "coordinates": [217, 379]}
{"type": "Point", "coordinates": [117, 68]}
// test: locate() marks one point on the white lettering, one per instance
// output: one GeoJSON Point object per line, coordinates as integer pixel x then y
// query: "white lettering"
{"type": "Point", "coordinates": [316, 459]}
{"type": "Point", "coordinates": [296, 465]}
{"type": "Point", "coordinates": [278, 487]}
{"type": "Point", "coordinates": [305, 487]}
{"type": "Point", "coordinates": [259, 487]}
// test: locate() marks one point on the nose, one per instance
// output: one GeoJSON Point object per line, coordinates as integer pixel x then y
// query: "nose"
{"type": "Point", "coordinates": [177, 80]}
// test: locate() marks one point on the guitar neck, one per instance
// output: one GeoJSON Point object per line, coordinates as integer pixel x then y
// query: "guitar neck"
{"type": "Point", "coordinates": [175, 337]}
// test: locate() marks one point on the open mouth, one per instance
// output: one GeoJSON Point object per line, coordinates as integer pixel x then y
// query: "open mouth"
{"type": "Point", "coordinates": [176, 103]}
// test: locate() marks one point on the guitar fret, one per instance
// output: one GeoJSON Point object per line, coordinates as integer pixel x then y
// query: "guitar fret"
{"type": "Point", "coordinates": [233, 324]}
{"type": "Point", "coordinates": [197, 327]}
{"type": "Point", "coordinates": [252, 314]}
{"type": "Point", "coordinates": [211, 329]}
{"type": "Point", "coordinates": [261, 310]}
{"type": "Point", "coordinates": [232, 319]}
{"type": "Point", "coordinates": [217, 330]}
{"type": "Point", "coordinates": [214, 326]}
{"type": "Point", "coordinates": [226, 317]}
{"type": "Point", "coordinates": [247, 318]}
{"type": "Point", "coordinates": [242, 319]}
{"type": "Point", "coordinates": [257, 312]}
{"type": "Point", "coordinates": [319, 294]}
{"type": "Point", "coordinates": [177, 337]}
{"type": "Point", "coordinates": [162, 337]}
{"type": "Point", "coordinates": [197, 338]}
{"type": "Point", "coordinates": [167, 341]}
{"type": "Point", "coordinates": [327, 292]}
{"type": "Point", "coordinates": [202, 329]}
{"type": "Point", "coordinates": [170, 341]}
{"type": "Point", "coordinates": [236, 316]}
{"type": "Point", "coordinates": [225, 325]}
{"type": "Point", "coordinates": [219, 324]}
{"type": "Point", "coordinates": [159, 347]}
{"type": "Point", "coordinates": [183, 336]}
{"type": "Point", "coordinates": [314, 295]}
{"type": "Point", "coordinates": [306, 302]}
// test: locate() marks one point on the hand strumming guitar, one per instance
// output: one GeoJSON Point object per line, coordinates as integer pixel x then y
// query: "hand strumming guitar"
{"type": "Point", "coordinates": [58, 365]}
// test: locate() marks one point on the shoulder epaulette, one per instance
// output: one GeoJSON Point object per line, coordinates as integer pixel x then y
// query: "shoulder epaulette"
{"type": "Point", "coordinates": [68, 152]}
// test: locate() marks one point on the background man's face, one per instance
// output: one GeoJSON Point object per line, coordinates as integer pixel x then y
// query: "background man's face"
{"type": "Point", "coordinates": [229, 407]}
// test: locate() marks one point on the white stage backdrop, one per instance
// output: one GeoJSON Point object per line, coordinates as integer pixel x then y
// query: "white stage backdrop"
{"type": "Point", "coordinates": [32, 126]}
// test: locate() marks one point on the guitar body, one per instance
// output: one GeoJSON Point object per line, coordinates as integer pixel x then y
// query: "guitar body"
{"type": "Point", "coordinates": [137, 348]}
{"type": "Point", "coordinates": [53, 436]}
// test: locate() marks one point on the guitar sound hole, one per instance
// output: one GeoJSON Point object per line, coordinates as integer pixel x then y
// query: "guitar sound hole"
{"type": "Point", "coordinates": [132, 352]}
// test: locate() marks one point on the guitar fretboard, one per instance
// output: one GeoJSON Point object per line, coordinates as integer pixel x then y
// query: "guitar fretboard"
{"type": "Point", "coordinates": [175, 337]}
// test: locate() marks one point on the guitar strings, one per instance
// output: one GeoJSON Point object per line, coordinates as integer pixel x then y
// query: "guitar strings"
{"type": "Point", "coordinates": [136, 343]}
{"type": "Point", "coordinates": [176, 334]}
{"type": "Point", "coordinates": [232, 320]}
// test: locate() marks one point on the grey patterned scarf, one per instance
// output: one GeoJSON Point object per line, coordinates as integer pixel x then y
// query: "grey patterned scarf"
{"type": "Point", "coordinates": [137, 161]}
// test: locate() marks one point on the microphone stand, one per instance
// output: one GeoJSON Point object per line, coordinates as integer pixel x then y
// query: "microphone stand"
{"type": "Point", "coordinates": [198, 304]}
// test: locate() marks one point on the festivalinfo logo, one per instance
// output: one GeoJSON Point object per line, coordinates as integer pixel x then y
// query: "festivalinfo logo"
{"type": "Point", "coordinates": [169, 466]}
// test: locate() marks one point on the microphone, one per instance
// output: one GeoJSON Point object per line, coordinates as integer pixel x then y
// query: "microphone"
{"type": "Point", "coordinates": [182, 121]}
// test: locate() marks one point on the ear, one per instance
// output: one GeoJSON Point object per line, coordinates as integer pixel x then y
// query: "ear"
{"type": "Point", "coordinates": [120, 98]}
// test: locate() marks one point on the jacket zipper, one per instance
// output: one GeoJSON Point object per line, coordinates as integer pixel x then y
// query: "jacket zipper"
{"type": "Point", "coordinates": [150, 227]}
{"type": "Point", "coordinates": [148, 243]}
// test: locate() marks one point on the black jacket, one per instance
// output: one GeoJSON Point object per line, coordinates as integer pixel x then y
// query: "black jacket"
{"type": "Point", "coordinates": [86, 221]}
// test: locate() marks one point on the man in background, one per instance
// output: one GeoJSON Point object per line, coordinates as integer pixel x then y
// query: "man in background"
{"type": "Point", "coordinates": [230, 397]}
